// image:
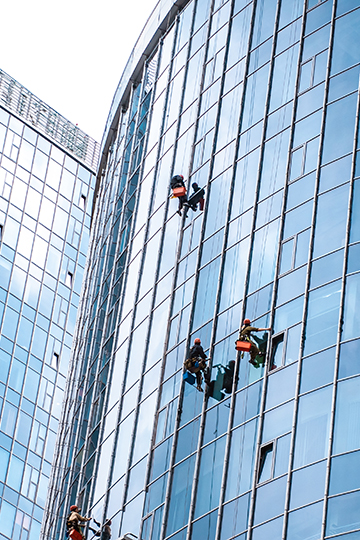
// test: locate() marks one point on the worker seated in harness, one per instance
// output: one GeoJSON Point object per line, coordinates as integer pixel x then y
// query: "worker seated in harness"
{"type": "Point", "coordinates": [177, 185]}
{"type": "Point", "coordinates": [73, 526]}
{"type": "Point", "coordinates": [196, 198]}
{"type": "Point", "coordinates": [196, 363]}
{"type": "Point", "coordinates": [245, 335]}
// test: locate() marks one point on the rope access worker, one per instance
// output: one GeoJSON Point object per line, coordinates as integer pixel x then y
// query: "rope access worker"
{"type": "Point", "coordinates": [178, 182]}
{"type": "Point", "coordinates": [245, 335]}
{"type": "Point", "coordinates": [196, 363]}
{"type": "Point", "coordinates": [73, 522]}
{"type": "Point", "coordinates": [195, 199]}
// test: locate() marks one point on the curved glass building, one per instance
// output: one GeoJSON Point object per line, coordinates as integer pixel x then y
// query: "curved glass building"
{"type": "Point", "coordinates": [258, 102]}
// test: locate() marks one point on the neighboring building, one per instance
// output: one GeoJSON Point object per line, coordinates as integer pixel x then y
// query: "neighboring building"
{"type": "Point", "coordinates": [259, 102]}
{"type": "Point", "coordinates": [47, 182]}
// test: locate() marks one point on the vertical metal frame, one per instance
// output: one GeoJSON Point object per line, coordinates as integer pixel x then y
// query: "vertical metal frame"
{"type": "Point", "coordinates": [311, 244]}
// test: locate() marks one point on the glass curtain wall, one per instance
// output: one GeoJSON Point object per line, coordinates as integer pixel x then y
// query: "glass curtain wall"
{"type": "Point", "coordinates": [45, 207]}
{"type": "Point", "coordinates": [258, 103]}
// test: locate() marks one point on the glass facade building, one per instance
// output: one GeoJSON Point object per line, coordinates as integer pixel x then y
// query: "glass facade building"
{"type": "Point", "coordinates": [257, 101]}
{"type": "Point", "coordinates": [47, 180]}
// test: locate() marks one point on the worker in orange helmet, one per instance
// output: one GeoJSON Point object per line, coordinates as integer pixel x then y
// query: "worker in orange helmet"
{"type": "Point", "coordinates": [178, 181]}
{"type": "Point", "coordinates": [73, 522]}
{"type": "Point", "coordinates": [245, 335]}
{"type": "Point", "coordinates": [196, 363]}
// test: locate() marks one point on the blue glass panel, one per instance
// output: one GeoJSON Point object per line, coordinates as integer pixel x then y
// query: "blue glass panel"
{"type": "Point", "coordinates": [239, 36]}
{"type": "Point", "coordinates": [343, 513]}
{"type": "Point", "coordinates": [339, 128]}
{"type": "Point", "coordinates": [282, 455]}
{"type": "Point", "coordinates": [310, 101]}
{"type": "Point", "coordinates": [263, 256]}
{"type": "Point", "coordinates": [235, 517]}
{"type": "Point", "coordinates": [330, 226]}
{"type": "Point", "coordinates": [247, 404]}
{"type": "Point", "coordinates": [187, 440]}
{"type": "Point", "coordinates": [288, 36]}
{"type": "Point", "coordinates": [345, 5]}
{"type": "Point", "coordinates": [345, 83]}
{"type": "Point", "coordinates": [216, 421]}
{"type": "Point", "coordinates": [288, 314]}
{"type": "Point", "coordinates": [264, 21]}
{"type": "Point", "coordinates": [327, 268]}
{"type": "Point", "coordinates": [272, 529]}
{"type": "Point", "coordinates": [277, 422]}
{"type": "Point", "coordinates": [210, 475]}
{"type": "Point", "coordinates": [322, 317]}
{"type": "Point", "coordinates": [313, 423]}
{"type": "Point", "coordinates": [318, 17]}
{"type": "Point", "coordinates": [274, 164]}
{"type": "Point", "coordinates": [347, 426]}
{"type": "Point", "coordinates": [284, 76]}
{"type": "Point", "coordinates": [346, 37]}
{"type": "Point", "coordinates": [353, 258]}
{"type": "Point", "coordinates": [254, 105]}
{"type": "Point", "coordinates": [241, 460]}
{"type": "Point", "coordinates": [218, 203]}
{"type": "Point", "coordinates": [206, 293]}
{"type": "Point", "coordinates": [244, 194]}
{"type": "Point", "coordinates": [351, 327]}
{"type": "Point", "coordinates": [180, 495]}
{"type": "Point", "coordinates": [291, 285]}
{"type": "Point", "coordinates": [308, 485]}
{"type": "Point", "coordinates": [355, 215]}
{"type": "Point", "coordinates": [205, 528]}
{"type": "Point", "coordinates": [307, 129]}
{"type": "Point", "coordinates": [270, 500]}
{"type": "Point", "coordinates": [348, 361]}
{"type": "Point", "coordinates": [155, 494]}
{"type": "Point", "coordinates": [316, 42]}
{"type": "Point", "coordinates": [305, 524]}
{"type": "Point", "coordinates": [298, 219]}
{"type": "Point", "coordinates": [345, 473]}
{"type": "Point", "coordinates": [7, 518]}
{"type": "Point", "coordinates": [281, 386]}
{"type": "Point", "coordinates": [234, 274]}
{"type": "Point", "coordinates": [317, 370]}
{"type": "Point", "coordinates": [335, 173]}
{"type": "Point", "coordinates": [4, 460]}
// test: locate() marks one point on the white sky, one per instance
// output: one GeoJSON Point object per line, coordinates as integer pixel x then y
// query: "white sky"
{"type": "Point", "coordinates": [71, 53]}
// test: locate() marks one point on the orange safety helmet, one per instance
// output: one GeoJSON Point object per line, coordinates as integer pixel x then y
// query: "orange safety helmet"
{"type": "Point", "coordinates": [197, 341]}
{"type": "Point", "coordinates": [247, 321]}
{"type": "Point", "coordinates": [73, 507]}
